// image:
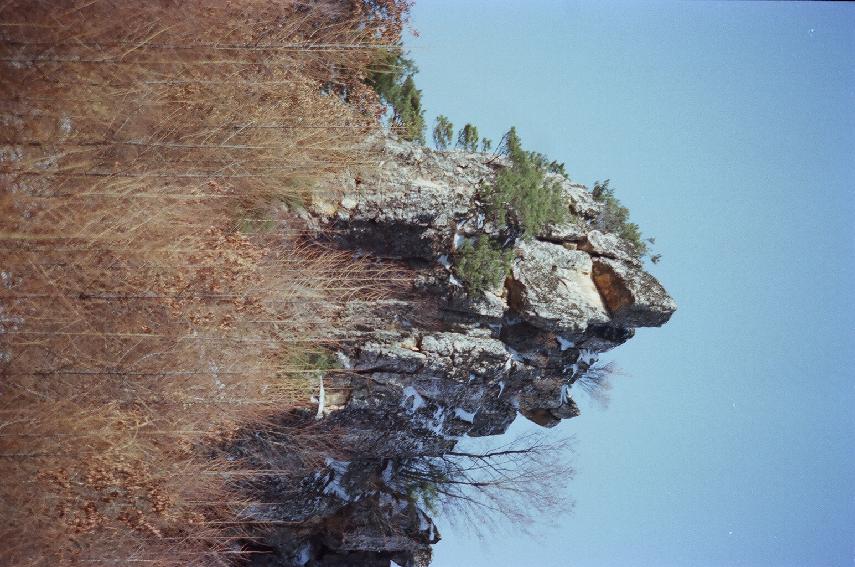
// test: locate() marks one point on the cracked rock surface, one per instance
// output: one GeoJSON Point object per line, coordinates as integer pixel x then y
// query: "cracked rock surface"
{"type": "Point", "coordinates": [573, 292]}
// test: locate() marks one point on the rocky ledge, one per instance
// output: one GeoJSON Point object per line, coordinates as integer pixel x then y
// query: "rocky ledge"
{"type": "Point", "coordinates": [439, 364]}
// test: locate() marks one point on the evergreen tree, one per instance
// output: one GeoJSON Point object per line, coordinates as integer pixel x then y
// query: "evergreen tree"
{"type": "Point", "coordinates": [614, 217]}
{"type": "Point", "coordinates": [409, 114]}
{"type": "Point", "coordinates": [442, 132]}
{"type": "Point", "coordinates": [521, 197]}
{"type": "Point", "coordinates": [482, 266]}
{"type": "Point", "coordinates": [391, 76]}
{"type": "Point", "coordinates": [467, 138]}
{"type": "Point", "coordinates": [486, 144]}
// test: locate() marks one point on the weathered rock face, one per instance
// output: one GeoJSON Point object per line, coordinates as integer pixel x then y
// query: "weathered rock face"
{"type": "Point", "coordinates": [551, 288]}
{"type": "Point", "coordinates": [572, 293]}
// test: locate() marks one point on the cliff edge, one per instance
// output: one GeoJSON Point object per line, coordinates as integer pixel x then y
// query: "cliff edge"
{"type": "Point", "coordinates": [441, 363]}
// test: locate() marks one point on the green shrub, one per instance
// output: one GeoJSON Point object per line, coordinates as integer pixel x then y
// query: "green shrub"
{"type": "Point", "coordinates": [521, 197]}
{"type": "Point", "coordinates": [615, 218]}
{"type": "Point", "coordinates": [483, 266]}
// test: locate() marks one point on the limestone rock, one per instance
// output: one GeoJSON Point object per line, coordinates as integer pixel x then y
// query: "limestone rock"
{"type": "Point", "coordinates": [572, 230]}
{"type": "Point", "coordinates": [608, 245]}
{"type": "Point", "coordinates": [552, 288]}
{"type": "Point", "coordinates": [421, 370]}
{"type": "Point", "coordinates": [634, 297]}
{"type": "Point", "coordinates": [581, 202]}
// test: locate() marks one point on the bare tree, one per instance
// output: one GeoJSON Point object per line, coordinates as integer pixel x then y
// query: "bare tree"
{"type": "Point", "coordinates": [596, 382]}
{"type": "Point", "coordinates": [519, 481]}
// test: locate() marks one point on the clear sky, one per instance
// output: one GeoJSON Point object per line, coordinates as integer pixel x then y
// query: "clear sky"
{"type": "Point", "coordinates": [728, 130]}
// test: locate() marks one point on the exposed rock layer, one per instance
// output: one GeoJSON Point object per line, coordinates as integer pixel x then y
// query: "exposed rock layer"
{"type": "Point", "coordinates": [572, 293]}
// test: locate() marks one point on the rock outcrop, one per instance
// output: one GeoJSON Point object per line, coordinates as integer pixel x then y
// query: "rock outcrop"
{"type": "Point", "coordinates": [573, 292]}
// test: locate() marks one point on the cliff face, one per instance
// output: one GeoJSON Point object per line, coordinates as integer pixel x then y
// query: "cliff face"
{"type": "Point", "coordinates": [439, 365]}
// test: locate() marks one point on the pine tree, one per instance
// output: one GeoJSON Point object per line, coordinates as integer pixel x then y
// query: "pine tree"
{"type": "Point", "coordinates": [409, 114]}
{"type": "Point", "coordinates": [521, 197]}
{"type": "Point", "coordinates": [467, 138]}
{"type": "Point", "coordinates": [391, 76]}
{"type": "Point", "coordinates": [482, 266]}
{"type": "Point", "coordinates": [442, 132]}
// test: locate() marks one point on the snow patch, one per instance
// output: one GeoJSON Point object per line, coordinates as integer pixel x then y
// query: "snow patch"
{"type": "Point", "coordinates": [343, 359]}
{"type": "Point", "coordinates": [303, 555]}
{"type": "Point", "coordinates": [454, 281]}
{"type": "Point", "coordinates": [514, 355]}
{"type": "Point", "coordinates": [564, 343]}
{"type": "Point", "coordinates": [464, 415]}
{"type": "Point", "coordinates": [501, 388]}
{"type": "Point", "coordinates": [334, 487]}
{"type": "Point", "coordinates": [444, 261]}
{"type": "Point", "coordinates": [418, 400]}
{"type": "Point", "coordinates": [386, 475]}
{"type": "Point", "coordinates": [588, 356]}
{"type": "Point", "coordinates": [458, 237]}
{"type": "Point", "coordinates": [438, 421]}
{"type": "Point", "coordinates": [564, 397]}
{"type": "Point", "coordinates": [322, 398]}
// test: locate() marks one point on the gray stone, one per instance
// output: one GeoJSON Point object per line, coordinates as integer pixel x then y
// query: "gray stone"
{"type": "Point", "coordinates": [609, 245]}
{"type": "Point", "coordinates": [634, 297]}
{"type": "Point", "coordinates": [435, 364]}
{"type": "Point", "coordinates": [552, 288]}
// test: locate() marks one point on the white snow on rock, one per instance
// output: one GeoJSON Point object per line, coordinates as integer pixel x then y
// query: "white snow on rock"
{"type": "Point", "coordinates": [303, 555]}
{"type": "Point", "coordinates": [334, 487]}
{"type": "Point", "coordinates": [464, 415]}
{"type": "Point", "coordinates": [386, 475]}
{"type": "Point", "coordinates": [417, 400]}
{"type": "Point", "coordinates": [564, 397]}
{"type": "Point", "coordinates": [438, 421]}
{"type": "Point", "coordinates": [571, 369]}
{"type": "Point", "coordinates": [588, 357]}
{"type": "Point", "coordinates": [322, 398]}
{"type": "Point", "coordinates": [343, 359]}
{"type": "Point", "coordinates": [514, 355]}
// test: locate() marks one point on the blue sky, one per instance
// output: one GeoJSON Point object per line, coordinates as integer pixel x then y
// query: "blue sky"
{"type": "Point", "coordinates": [728, 131]}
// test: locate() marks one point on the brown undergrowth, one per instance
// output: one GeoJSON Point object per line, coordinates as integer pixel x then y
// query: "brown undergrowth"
{"type": "Point", "coordinates": [158, 290]}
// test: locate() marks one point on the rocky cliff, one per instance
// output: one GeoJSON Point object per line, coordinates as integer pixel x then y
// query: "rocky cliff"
{"type": "Point", "coordinates": [440, 364]}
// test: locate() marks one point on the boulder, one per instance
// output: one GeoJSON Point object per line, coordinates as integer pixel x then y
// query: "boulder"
{"type": "Point", "coordinates": [552, 289]}
{"type": "Point", "coordinates": [634, 298]}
